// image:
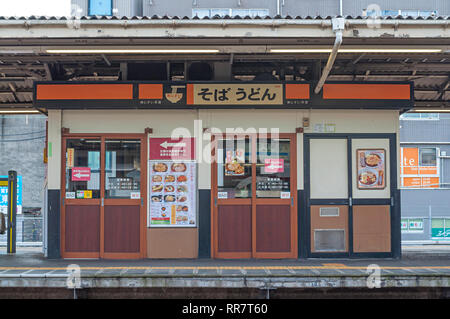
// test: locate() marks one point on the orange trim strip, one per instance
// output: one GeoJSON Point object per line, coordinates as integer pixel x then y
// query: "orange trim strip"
{"type": "Point", "coordinates": [190, 94]}
{"type": "Point", "coordinates": [84, 92]}
{"type": "Point", "coordinates": [367, 91]}
{"type": "Point", "coordinates": [150, 91]}
{"type": "Point", "coordinates": [297, 91]}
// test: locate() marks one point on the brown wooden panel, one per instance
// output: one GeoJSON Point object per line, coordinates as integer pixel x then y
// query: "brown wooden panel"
{"type": "Point", "coordinates": [329, 222]}
{"type": "Point", "coordinates": [122, 229]}
{"type": "Point", "coordinates": [371, 228]}
{"type": "Point", "coordinates": [234, 223]}
{"type": "Point", "coordinates": [273, 228]}
{"type": "Point", "coordinates": [82, 228]}
{"type": "Point", "coordinates": [172, 242]}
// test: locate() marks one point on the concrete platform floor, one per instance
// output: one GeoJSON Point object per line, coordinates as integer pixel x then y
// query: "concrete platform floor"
{"type": "Point", "coordinates": [29, 268]}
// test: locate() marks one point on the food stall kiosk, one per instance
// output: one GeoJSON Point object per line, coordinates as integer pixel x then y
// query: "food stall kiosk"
{"type": "Point", "coordinates": [223, 170]}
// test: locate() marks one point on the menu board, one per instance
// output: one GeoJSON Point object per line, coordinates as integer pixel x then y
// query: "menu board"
{"type": "Point", "coordinates": [172, 180]}
{"type": "Point", "coordinates": [172, 193]}
{"type": "Point", "coordinates": [371, 168]}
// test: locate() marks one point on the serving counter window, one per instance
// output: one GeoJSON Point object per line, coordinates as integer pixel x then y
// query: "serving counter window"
{"type": "Point", "coordinates": [234, 168]}
{"type": "Point", "coordinates": [273, 174]}
{"type": "Point", "coordinates": [82, 168]}
{"type": "Point", "coordinates": [122, 169]}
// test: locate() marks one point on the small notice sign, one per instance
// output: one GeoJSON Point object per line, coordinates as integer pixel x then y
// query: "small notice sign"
{"type": "Point", "coordinates": [285, 195]}
{"type": "Point", "coordinates": [222, 195]}
{"type": "Point", "coordinates": [81, 174]}
{"type": "Point", "coordinates": [273, 165]}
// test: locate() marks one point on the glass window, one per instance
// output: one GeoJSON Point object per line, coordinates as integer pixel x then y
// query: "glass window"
{"type": "Point", "coordinates": [82, 168]}
{"type": "Point", "coordinates": [122, 168]}
{"type": "Point", "coordinates": [405, 13]}
{"type": "Point", "coordinates": [419, 116]}
{"type": "Point", "coordinates": [234, 168]}
{"type": "Point", "coordinates": [201, 12]}
{"type": "Point", "coordinates": [273, 173]}
{"type": "Point", "coordinates": [250, 12]}
{"type": "Point", "coordinates": [427, 156]}
{"type": "Point", "coordinates": [100, 7]}
{"type": "Point", "coordinates": [219, 12]}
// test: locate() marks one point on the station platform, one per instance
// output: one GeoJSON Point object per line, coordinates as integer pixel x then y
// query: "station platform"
{"type": "Point", "coordinates": [29, 269]}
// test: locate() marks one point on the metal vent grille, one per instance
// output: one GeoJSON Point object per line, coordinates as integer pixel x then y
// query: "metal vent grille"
{"type": "Point", "coordinates": [329, 211]}
{"type": "Point", "coordinates": [329, 240]}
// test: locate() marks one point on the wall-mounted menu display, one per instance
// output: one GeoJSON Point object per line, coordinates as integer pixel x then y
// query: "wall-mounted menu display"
{"type": "Point", "coordinates": [173, 193]}
{"type": "Point", "coordinates": [371, 168]}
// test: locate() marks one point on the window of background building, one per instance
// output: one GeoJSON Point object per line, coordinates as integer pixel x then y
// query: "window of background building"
{"type": "Point", "coordinates": [427, 156]}
{"type": "Point", "coordinates": [100, 7]}
{"type": "Point", "coordinates": [419, 116]}
{"type": "Point", "coordinates": [405, 13]}
{"type": "Point", "coordinates": [204, 12]}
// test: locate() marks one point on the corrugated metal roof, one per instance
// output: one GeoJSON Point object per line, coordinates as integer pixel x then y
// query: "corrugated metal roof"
{"type": "Point", "coordinates": [217, 17]}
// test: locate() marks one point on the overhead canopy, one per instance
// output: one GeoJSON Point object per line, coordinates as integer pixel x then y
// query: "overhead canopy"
{"type": "Point", "coordinates": [287, 48]}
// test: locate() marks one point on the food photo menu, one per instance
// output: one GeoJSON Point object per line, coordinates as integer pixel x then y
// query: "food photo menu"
{"type": "Point", "coordinates": [371, 168]}
{"type": "Point", "coordinates": [172, 184]}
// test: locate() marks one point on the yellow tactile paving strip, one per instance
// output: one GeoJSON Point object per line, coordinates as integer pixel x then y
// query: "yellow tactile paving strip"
{"type": "Point", "coordinates": [324, 267]}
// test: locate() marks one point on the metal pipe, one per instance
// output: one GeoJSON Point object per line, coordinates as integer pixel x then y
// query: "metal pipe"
{"type": "Point", "coordinates": [340, 8]}
{"type": "Point", "coordinates": [331, 59]}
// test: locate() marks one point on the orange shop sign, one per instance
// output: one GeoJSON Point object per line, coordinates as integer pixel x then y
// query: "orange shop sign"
{"type": "Point", "coordinates": [413, 174]}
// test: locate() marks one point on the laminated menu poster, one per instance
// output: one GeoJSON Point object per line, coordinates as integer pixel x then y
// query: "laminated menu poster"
{"type": "Point", "coordinates": [173, 191]}
{"type": "Point", "coordinates": [371, 168]}
{"type": "Point", "coordinates": [234, 162]}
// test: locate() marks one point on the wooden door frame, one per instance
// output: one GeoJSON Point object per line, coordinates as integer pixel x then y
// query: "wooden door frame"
{"type": "Point", "coordinates": [276, 201]}
{"type": "Point", "coordinates": [253, 200]}
{"type": "Point", "coordinates": [143, 206]}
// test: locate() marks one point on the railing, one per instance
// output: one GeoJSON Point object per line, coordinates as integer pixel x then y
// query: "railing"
{"type": "Point", "coordinates": [29, 231]}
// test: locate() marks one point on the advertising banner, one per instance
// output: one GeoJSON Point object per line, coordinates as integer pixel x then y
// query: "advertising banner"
{"type": "Point", "coordinates": [4, 196]}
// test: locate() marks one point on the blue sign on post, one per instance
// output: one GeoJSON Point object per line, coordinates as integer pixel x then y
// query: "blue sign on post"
{"type": "Point", "coordinates": [4, 196]}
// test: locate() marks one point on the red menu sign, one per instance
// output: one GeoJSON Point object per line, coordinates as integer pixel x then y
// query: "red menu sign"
{"type": "Point", "coordinates": [172, 149]}
{"type": "Point", "coordinates": [81, 174]}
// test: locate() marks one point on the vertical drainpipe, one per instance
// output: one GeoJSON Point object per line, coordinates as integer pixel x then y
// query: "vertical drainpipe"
{"type": "Point", "coordinates": [338, 27]}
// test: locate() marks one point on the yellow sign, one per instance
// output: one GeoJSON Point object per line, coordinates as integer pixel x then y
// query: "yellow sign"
{"type": "Point", "coordinates": [235, 94]}
{"type": "Point", "coordinates": [87, 194]}
{"type": "Point", "coordinates": [70, 157]}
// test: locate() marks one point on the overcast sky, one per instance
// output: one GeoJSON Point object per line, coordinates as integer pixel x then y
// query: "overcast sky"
{"type": "Point", "coordinates": [35, 7]}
